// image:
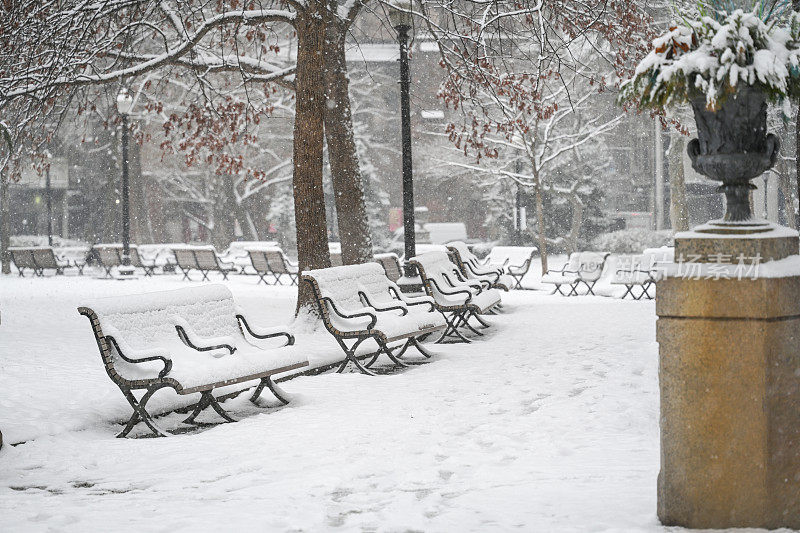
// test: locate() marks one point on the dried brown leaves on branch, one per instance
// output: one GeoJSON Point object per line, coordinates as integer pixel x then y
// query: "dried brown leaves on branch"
{"type": "Point", "coordinates": [506, 59]}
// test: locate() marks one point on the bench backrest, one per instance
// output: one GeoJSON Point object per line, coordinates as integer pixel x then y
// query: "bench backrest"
{"type": "Point", "coordinates": [436, 266]}
{"type": "Point", "coordinates": [23, 257]}
{"type": "Point", "coordinates": [463, 251]}
{"type": "Point", "coordinates": [343, 284]}
{"type": "Point", "coordinates": [658, 256]}
{"type": "Point", "coordinates": [259, 261]}
{"type": "Point", "coordinates": [276, 260]}
{"type": "Point", "coordinates": [109, 255]}
{"type": "Point", "coordinates": [590, 264]}
{"type": "Point", "coordinates": [206, 259]}
{"type": "Point", "coordinates": [185, 257]}
{"type": "Point", "coordinates": [45, 258]}
{"type": "Point", "coordinates": [391, 266]}
{"type": "Point", "coordinates": [517, 256]}
{"type": "Point", "coordinates": [145, 323]}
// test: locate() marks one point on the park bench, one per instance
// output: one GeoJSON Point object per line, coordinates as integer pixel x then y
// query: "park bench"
{"type": "Point", "coordinates": [40, 259]}
{"type": "Point", "coordinates": [201, 258]}
{"type": "Point", "coordinates": [391, 265]}
{"type": "Point", "coordinates": [110, 256]}
{"type": "Point", "coordinates": [271, 260]}
{"type": "Point", "coordinates": [237, 252]}
{"type": "Point", "coordinates": [516, 260]}
{"type": "Point", "coordinates": [457, 298]}
{"type": "Point", "coordinates": [583, 268]}
{"type": "Point", "coordinates": [472, 268]}
{"type": "Point", "coordinates": [641, 271]}
{"type": "Point", "coordinates": [191, 340]}
{"type": "Point", "coordinates": [358, 303]}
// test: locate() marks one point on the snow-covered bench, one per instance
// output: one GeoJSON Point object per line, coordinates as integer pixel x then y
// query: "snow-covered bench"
{"type": "Point", "coordinates": [358, 303]}
{"type": "Point", "coordinates": [191, 340]}
{"type": "Point", "coordinates": [391, 265]}
{"type": "Point", "coordinates": [237, 252]}
{"type": "Point", "coordinates": [272, 260]}
{"type": "Point", "coordinates": [457, 298]}
{"type": "Point", "coordinates": [110, 256]}
{"type": "Point", "coordinates": [202, 258]}
{"type": "Point", "coordinates": [40, 259]}
{"type": "Point", "coordinates": [641, 271]}
{"type": "Point", "coordinates": [583, 268]}
{"type": "Point", "coordinates": [473, 269]}
{"type": "Point", "coordinates": [516, 260]}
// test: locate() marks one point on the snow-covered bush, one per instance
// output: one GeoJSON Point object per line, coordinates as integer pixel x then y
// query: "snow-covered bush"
{"type": "Point", "coordinates": [631, 241]}
{"type": "Point", "coordinates": [712, 56]}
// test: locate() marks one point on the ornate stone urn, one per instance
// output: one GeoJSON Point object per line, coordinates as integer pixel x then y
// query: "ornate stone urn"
{"type": "Point", "coordinates": [733, 147]}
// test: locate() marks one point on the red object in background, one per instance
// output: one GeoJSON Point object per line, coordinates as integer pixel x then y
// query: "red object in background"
{"type": "Point", "coordinates": [395, 218]}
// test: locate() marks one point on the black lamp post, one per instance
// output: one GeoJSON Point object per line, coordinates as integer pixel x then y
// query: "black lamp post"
{"type": "Point", "coordinates": [401, 18]}
{"type": "Point", "coordinates": [124, 106]}
{"type": "Point", "coordinates": [48, 198]}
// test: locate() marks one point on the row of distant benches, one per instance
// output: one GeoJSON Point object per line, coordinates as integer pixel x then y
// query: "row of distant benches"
{"type": "Point", "coordinates": [196, 340]}
{"type": "Point", "coordinates": [268, 262]}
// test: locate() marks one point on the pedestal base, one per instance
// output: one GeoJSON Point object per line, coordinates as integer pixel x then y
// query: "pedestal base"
{"type": "Point", "coordinates": [729, 372]}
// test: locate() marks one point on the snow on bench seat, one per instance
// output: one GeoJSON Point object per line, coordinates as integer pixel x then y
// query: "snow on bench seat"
{"type": "Point", "coordinates": [188, 339]}
{"type": "Point", "coordinates": [145, 325]}
{"type": "Point", "coordinates": [360, 302]}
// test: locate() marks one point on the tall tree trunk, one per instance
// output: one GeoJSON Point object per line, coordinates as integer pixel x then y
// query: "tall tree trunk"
{"type": "Point", "coordinates": [5, 225]}
{"type": "Point", "coordinates": [540, 219]}
{"type": "Point", "coordinates": [577, 221]}
{"type": "Point", "coordinates": [348, 185]}
{"type": "Point", "coordinates": [678, 210]}
{"type": "Point", "coordinates": [309, 199]}
{"type": "Point", "coordinates": [223, 212]}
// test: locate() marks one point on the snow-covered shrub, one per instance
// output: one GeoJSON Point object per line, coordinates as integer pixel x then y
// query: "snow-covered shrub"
{"type": "Point", "coordinates": [631, 241]}
{"type": "Point", "coordinates": [712, 56]}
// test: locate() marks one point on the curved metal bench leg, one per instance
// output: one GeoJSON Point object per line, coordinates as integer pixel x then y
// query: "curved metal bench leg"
{"type": "Point", "coordinates": [351, 357]}
{"type": "Point", "coordinates": [273, 388]}
{"type": "Point", "coordinates": [385, 348]}
{"type": "Point", "coordinates": [140, 414]}
{"type": "Point", "coordinates": [218, 408]}
{"type": "Point", "coordinates": [202, 403]}
{"type": "Point", "coordinates": [421, 349]}
{"type": "Point", "coordinates": [477, 317]}
{"type": "Point", "coordinates": [469, 327]}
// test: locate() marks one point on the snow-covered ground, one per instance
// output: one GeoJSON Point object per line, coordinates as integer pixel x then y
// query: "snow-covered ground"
{"type": "Point", "coordinates": [549, 423]}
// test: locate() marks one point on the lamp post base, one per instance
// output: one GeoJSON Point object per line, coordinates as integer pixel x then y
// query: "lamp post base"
{"type": "Point", "coordinates": [126, 272]}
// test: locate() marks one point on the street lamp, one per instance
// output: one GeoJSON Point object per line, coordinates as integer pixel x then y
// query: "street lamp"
{"type": "Point", "coordinates": [401, 18]}
{"type": "Point", "coordinates": [48, 191]}
{"type": "Point", "coordinates": [124, 106]}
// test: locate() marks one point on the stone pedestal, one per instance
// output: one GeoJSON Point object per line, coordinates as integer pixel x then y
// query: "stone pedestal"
{"type": "Point", "coordinates": [729, 352]}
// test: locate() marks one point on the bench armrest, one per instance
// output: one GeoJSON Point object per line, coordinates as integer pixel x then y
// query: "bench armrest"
{"type": "Point", "coordinates": [412, 300]}
{"type": "Point", "coordinates": [398, 307]}
{"type": "Point", "coordinates": [365, 312]}
{"type": "Point", "coordinates": [452, 292]}
{"type": "Point", "coordinates": [133, 360]}
{"type": "Point", "coordinates": [184, 336]}
{"type": "Point", "coordinates": [263, 334]}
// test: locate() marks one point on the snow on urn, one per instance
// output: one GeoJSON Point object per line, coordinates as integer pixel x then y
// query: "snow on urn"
{"type": "Point", "coordinates": [727, 67]}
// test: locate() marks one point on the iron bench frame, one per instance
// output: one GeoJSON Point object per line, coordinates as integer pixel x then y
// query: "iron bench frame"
{"type": "Point", "coordinates": [107, 343]}
{"type": "Point", "coordinates": [221, 266]}
{"type": "Point", "coordinates": [39, 268]}
{"type": "Point", "coordinates": [284, 263]}
{"type": "Point", "coordinates": [575, 284]}
{"type": "Point", "coordinates": [383, 341]}
{"type": "Point", "coordinates": [456, 315]}
{"type": "Point", "coordinates": [135, 256]}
